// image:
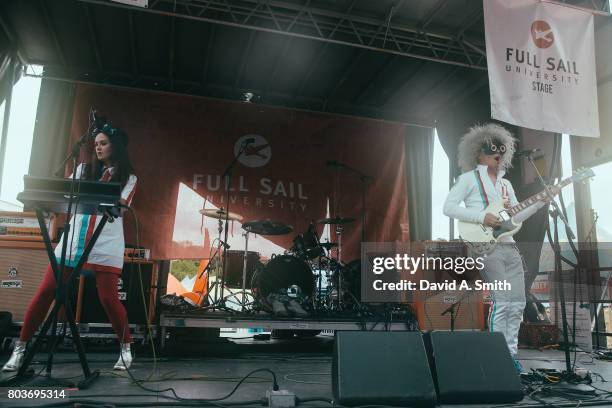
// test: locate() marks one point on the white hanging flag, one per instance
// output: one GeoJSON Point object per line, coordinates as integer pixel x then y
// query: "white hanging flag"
{"type": "Point", "coordinates": [541, 62]}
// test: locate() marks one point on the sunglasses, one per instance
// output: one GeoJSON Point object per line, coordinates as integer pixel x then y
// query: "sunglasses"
{"type": "Point", "coordinates": [494, 148]}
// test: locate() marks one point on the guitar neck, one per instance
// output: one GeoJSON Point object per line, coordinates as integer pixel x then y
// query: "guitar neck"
{"type": "Point", "coordinates": [528, 202]}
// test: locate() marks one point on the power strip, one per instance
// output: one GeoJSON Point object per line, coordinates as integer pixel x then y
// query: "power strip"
{"type": "Point", "coordinates": [280, 399]}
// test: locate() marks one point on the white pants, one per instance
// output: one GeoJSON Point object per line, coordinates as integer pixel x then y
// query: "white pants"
{"type": "Point", "coordinates": [506, 314]}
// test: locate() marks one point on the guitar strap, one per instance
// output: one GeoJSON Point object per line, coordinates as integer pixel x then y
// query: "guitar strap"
{"type": "Point", "coordinates": [483, 193]}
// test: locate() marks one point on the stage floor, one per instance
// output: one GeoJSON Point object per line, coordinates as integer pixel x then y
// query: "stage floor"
{"type": "Point", "coordinates": [212, 370]}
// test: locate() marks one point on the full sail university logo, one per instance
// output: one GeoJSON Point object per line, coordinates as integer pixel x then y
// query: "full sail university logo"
{"type": "Point", "coordinates": [256, 153]}
{"type": "Point", "coordinates": [542, 65]}
{"type": "Point", "coordinates": [541, 34]}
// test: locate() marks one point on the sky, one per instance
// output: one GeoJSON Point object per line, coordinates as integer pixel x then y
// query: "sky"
{"type": "Point", "coordinates": [439, 190]}
{"type": "Point", "coordinates": [19, 145]}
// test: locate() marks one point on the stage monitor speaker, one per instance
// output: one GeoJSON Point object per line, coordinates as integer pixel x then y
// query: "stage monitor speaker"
{"type": "Point", "coordinates": [473, 368]}
{"type": "Point", "coordinates": [381, 368]}
{"type": "Point", "coordinates": [130, 295]}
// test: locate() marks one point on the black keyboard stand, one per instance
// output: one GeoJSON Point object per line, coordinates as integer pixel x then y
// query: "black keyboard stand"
{"type": "Point", "coordinates": [25, 373]}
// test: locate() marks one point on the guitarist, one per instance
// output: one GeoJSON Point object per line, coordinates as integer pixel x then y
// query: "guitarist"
{"type": "Point", "coordinates": [484, 154]}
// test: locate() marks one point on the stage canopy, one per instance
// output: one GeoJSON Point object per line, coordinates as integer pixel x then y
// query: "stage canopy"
{"type": "Point", "coordinates": [404, 61]}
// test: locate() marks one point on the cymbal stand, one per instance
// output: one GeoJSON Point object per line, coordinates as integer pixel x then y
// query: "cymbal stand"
{"type": "Point", "coordinates": [227, 175]}
{"type": "Point", "coordinates": [244, 271]}
{"type": "Point", "coordinates": [213, 300]}
{"type": "Point", "coordinates": [320, 273]}
{"type": "Point", "coordinates": [339, 228]}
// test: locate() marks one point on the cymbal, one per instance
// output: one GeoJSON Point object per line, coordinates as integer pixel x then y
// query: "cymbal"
{"type": "Point", "coordinates": [220, 214]}
{"type": "Point", "coordinates": [267, 227]}
{"type": "Point", "coordinates": [336, 220]}
{"type": "Point", "coordinates": [329, 245]}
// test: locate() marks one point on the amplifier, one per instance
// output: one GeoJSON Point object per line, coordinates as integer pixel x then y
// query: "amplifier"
{"type": "Point", "coordinates": [137, 253]}
{"type": "Point", "coordinates": [434, 310]}
{"type": "Point", "coordinates": [22, 267]}
{"type": "Point", "coordinates": [20, 226]}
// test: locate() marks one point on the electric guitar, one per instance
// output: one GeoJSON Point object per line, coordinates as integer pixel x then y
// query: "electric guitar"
{"type": "Point", "coordinates": [483, 239]}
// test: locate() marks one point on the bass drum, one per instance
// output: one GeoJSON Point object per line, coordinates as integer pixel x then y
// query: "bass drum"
{"type": "Point", "coordinates": [281, 273]}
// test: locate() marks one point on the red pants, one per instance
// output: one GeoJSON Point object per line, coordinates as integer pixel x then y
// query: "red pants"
{"type": "Point", "coordinates": [106, 283]}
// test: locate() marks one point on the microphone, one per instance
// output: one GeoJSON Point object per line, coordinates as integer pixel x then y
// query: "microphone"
{"type": "Point", "coordinates": [528, 152]}
{"type": "Point", "coordinates": [97, 121]}
{"type": "Point", "coordinates": [225, 244]}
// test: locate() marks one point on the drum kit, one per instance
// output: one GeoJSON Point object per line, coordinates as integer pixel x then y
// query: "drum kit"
{"type": "Point", "coordinates": [310, 271]}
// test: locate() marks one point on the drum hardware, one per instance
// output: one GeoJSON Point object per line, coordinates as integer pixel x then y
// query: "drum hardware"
{"type": "Point", "coordinates": [329, 245]}
{"type": "Point", "coordinates": [339, 222]}
{"type": "Point", "coordinates": [307, 245]}
{"type": "Point", "coordinates": [249, 260]}
{"type": "Point", "coordinates": [244, 266]}
{"type": "Point", "coordinates": [267, 227]}
{"type": "Point", "coordinates": [248, 265]}
{"type": "Point", "coordinates": [220, 215]}
{"type": "Point", "coordinates": [227, 175]}
{"type": "Point", "coordinates": [364, 180]}
{"type": "Point", "coordinates": [336, 220]}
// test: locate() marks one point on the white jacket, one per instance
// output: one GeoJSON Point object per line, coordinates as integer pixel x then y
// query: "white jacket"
{"type": "Point", "coordinates": [467, 190]}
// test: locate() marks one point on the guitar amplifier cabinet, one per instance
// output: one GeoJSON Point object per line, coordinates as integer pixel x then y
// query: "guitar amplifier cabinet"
{"type": "Point", "coordinates": [434, 310]}
{"type": "Point", "coordinates": [22, 267]}
{"type": "Point", "coordinates": [435, 307]}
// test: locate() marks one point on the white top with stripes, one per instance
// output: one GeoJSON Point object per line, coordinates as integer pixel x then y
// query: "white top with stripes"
{"type": "Point", "coordinates": [107, 252]}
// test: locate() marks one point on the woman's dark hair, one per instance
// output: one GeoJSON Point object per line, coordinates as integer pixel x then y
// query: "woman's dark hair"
{"type": "Point", "coordinates": [119, 156]}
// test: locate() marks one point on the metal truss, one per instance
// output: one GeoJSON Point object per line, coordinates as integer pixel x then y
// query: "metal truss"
{"type": "Point", "coordinates": [233, 92]}
{"type": "Point", "coordinates": [302, 20]}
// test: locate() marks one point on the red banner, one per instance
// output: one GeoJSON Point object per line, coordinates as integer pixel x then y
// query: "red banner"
{"type": "Point", "coordinates": [180, 147]}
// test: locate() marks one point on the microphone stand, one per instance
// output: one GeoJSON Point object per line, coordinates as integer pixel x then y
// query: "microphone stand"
{"type": "Point", "coordinates": [556, 215]}
{"type": "Point", "coordinates": [76, 149]}
{"type": "Point", "coordinates": [453, 313]}
{"type": "Point", "coordinates": [227, 176]}
{"type": "Point", "coordinates": [363, 178]}
{"type": "Point", "coordinates": [453, 309]}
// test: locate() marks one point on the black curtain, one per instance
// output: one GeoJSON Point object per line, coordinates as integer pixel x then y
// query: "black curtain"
{"type": "Point", "coordinates": [531, 236]}
{"type": "Point", "coordinates": [419, 164]}
{"type": "Point", "coordinates": [455, 121]}
{"type": "Point", "coordinates": [52, 129]}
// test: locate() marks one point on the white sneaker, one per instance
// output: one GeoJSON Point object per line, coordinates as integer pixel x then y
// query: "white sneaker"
{"type": "Point", "coordinates": [125, 358]}
{"type": "Point", "coordinates": [16, 359]}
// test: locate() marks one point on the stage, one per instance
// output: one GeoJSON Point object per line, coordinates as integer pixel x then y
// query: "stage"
{"type": "Point", "coordinates": [212, 370]}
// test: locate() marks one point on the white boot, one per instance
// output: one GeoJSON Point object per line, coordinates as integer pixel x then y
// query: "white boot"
{"type": "Point", "coordinates": [16, 359]}
{"type": "Point", "coordinates": [125, 358]}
